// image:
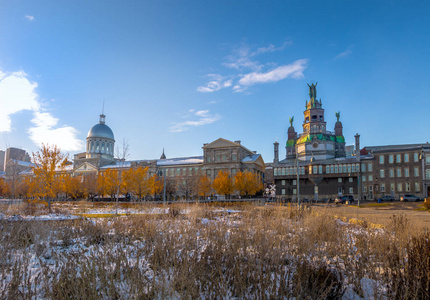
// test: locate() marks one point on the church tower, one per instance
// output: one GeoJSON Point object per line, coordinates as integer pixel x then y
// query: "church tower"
{"type": "Point", "coordinates": [316, 143]}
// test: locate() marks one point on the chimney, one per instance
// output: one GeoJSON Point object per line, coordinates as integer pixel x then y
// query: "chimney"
{"type": "Point", "coordinates": [276, 148]}
{"type": "Point", "coordinates": [237, 142]}
{"type": "Point", "coordinates": [357, 146]}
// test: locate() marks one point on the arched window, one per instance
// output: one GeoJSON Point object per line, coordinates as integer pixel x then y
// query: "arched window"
{"type": "Point", "coordinates": [97, 147]}
{"type": "Point", "coordinates": [103, 147]}
{"type": "Point", "coordinates": [92, 147]}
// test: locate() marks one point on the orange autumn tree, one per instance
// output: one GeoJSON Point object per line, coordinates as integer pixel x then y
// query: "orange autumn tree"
{"type": "Point", "coordinates": [156, 184]}
{"type": "Point", "coordinates": [240, 183]}
{"type": "Point", "coordinates": [203, 186]}
{"type": "Point", "coordinates": [223, 184]}
{"type": "Point", "coordinates": [46, 162]}
{"type": "Point", "coordinates": [254, 183]}
{"type": "Point", "coordinates": [247, 183]}
{"type": "Point", "coordinates": [136, 181]}
{"type": "Point", "coordinates": [72, 186]}
{"type": "Point", "coordinates": [107, 183]}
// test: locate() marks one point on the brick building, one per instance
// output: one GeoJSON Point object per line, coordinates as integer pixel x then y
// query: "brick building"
{"type": "Point", "coordinates": [327, 168]}
{"type": "Point", "coordinates": [396, 170]}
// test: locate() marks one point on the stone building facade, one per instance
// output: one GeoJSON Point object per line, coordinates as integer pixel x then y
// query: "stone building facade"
{"type": "Point", "coordinates": [327, 168]}
{"type": "Point", "coordinates": [396, 170]}
{"type": "Point", "coordinates": [220, 154]}
{"type": "Point", "coordinates": [318, 156]}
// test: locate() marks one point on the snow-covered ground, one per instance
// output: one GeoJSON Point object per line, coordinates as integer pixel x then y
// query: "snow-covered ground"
{"type": "Point", "coordinates": [134, 256]}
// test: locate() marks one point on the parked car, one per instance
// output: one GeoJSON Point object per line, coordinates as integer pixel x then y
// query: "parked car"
{"type": "Point", "coordinates": [343, 199]}
{"type": "Point", "coordinates": [406, 198]}
{"type": "Point", "coordinates": [386, 198]}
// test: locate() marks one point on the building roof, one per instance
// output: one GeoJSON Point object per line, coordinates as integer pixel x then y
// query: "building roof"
{"type": "Point", "coordinates": [192, 160]}
{"type": "Point", "coordinates": [397, 147]}
{"type": "Point", "coordinates": [331, 161]}
{"type": "Point", "coordinates": [251, 158]}
{"type": "Point", "coordinates": [101, 131]}
{"type": "Point", "coordinates": [117, 164]}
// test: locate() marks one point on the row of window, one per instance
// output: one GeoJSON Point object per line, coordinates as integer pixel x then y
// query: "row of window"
{"type": "Point", "coordinates": [221, 158]}
{"type": "Point", "coordinates": [401, 187]}
{"type": "Point", "coordinates": [288, 171]}
{"type": "Point", "coordinates": [182, 171]}
{"type": "Point", "coordinates": [340, 190]}
{"type": "Point", "coordinates": [100, 147]}
{"type": "Point", "coordinates": [399, 158]}
{"type": "Point", "coordinates": [399, 173]}
{"type": "Point", "coordinates": [340, 180]}
{"type": "Point", "coordinates": [329, 169]}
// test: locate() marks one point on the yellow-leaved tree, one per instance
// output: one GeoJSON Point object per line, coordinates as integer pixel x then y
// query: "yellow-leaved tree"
{"type": "Point", "coordinates": [203, 186]}
{"type": "Point", "coordinates": [247, 183]}
{"type": "Point", "coordinates": [254, 183]}
{"type": "Point", "coordinates": [137, 182]}
{"type": "Point", "coordinates": [47, 161]}
{"type": "Point", "coordinates": [223, 184]}
{"type": "Point", "coordinates": [240, 183]}
{"type": "Point", "coordinates": [108, 182]}
{"type": "Point", "coordinates": [155, 184]}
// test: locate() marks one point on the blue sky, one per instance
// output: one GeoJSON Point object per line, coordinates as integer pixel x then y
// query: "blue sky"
{"type": "Point", "coordinates": [177, 74]}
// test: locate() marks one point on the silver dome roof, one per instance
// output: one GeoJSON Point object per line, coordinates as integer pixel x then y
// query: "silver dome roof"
{"type": "Point", "coordinates": [101, 130]}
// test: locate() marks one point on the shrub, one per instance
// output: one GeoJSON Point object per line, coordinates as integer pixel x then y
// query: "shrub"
{"type": "Point", "coordinates": [317, 282]}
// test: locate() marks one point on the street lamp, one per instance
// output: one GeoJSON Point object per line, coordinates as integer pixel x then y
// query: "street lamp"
{"type": "Point", "coordinates": [163, 173]}
{"type": "Point", "coordinates": [422, 157]}
{"type": "Point", "coordinates": [298, 178]}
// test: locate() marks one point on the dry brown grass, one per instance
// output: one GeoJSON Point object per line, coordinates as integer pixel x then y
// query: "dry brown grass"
{"type": "Point", "coordinates": [381, 214]}
{"type": "Point", "coordinates": [258, 253]}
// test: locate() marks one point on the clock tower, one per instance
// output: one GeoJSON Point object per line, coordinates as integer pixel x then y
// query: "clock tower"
{"type": "Point", "coordinates": [316, 142]}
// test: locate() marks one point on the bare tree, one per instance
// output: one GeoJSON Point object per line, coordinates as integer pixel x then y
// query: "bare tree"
{"type": "Point", "coordinates": [121, 154]}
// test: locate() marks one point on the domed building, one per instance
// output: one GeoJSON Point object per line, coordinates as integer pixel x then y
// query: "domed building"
{"type": "Point", "coordinates": [100, 141]}
{"type": "Point", "coordinates": [99, 149]}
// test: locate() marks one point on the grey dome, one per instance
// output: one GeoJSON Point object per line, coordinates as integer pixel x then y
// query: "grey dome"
{"type": "Point", "coordinates": [100, 131]}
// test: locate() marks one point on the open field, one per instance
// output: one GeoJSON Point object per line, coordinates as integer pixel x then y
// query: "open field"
{"type": "Point", "coordinates": [381, 213]}
{"type": "Point", "coordinates": [209, 251]}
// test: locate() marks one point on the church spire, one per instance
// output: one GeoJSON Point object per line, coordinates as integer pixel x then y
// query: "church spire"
{"type": "Point", "coordinates": [163, 156]}
{"type": "Point", "coordinates": [102, 116]}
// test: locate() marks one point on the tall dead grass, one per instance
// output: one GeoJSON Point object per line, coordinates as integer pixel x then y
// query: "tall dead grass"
{"type": "Point", "coordinates": [257, 253]}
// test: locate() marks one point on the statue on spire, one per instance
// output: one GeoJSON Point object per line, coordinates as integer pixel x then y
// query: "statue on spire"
{"type": "Point", "coordinates": [337, 115]}
{"type": "Point", "coordinates": [313, 91]}
{"type": "Point", "coordinates": [291, 121]}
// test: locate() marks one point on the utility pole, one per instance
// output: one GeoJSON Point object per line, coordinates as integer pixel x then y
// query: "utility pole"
{"type": "Point", "coordinates": [164, 187]}
{"type": "Point", "coordinates": [298, 177]}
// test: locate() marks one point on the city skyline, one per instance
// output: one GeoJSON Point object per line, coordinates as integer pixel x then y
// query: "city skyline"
{"type": "Point", "coordinates": [178, 75]}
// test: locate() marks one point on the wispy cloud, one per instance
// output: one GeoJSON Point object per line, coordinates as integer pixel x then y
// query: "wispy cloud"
{"type": "Point", "coordinates": [203, 118]}
{"type": "Point", "coordinates": [18, 93]}
{"type": "Point", "coordinates": [29, 18]}
{"type": "Point", "coordinates": [250, 71]}
{"type": "Point", "coordinates": [46, 131]}
{"type": "Point", "coordinates": [343, 54]}
{"type": "Point", "coordinates": [217, 82]}
{"type": "Point", "coordinates": [294, 70]}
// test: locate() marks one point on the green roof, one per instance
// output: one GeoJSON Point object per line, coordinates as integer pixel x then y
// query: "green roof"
{"type": "Point", "coordinates": [291, 143]}
{"type": "Point", "coordinates": [340, 139]}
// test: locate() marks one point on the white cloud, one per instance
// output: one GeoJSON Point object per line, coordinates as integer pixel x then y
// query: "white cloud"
{"type": "Point", "coordinates": [18, 93]}
{"type": "Point", "coordinates": [218, 82]}
{"type": "Point", "coordinates": [343, 54]}
{"type": "Point", "coordinates": [45, 132]}
{"type": "Point", "coordinates": [204, 118]}
{"type": "Point", "coordinates": [241, 59]}
{"type": "Point", "coordinates": [272, 48]}
{"type": "Point", "coordinates": [251, 70]}
{"type": "Point", "coordinates": [30, 18]}
{"type": "Point", "coordinates": [294, 70]}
